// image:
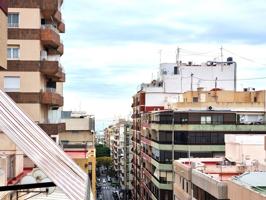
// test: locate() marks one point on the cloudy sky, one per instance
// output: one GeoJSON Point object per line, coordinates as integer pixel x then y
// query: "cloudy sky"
{"type": "Point", "coordinates": [112, 46]}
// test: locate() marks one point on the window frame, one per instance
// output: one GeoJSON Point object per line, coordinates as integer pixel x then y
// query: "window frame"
{"type": "Point", "coordinates": [12, 52]}
{"type": "Point", "coordinates": [12, 89]}
{"type": "Point", "coordinates": [13, 25]}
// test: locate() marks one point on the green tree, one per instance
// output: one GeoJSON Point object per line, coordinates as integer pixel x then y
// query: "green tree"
{"type": "Point", "coordinates": [104, 161]}
{"type": "Point", "coordinates": [102, 151]}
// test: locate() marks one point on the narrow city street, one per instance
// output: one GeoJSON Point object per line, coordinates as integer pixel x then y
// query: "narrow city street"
{"type": "Point", "coordinates": [106, 188]}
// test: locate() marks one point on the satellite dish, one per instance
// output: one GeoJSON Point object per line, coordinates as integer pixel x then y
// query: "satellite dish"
{"type": "Point", "coordinates": [49, 190]}
{"type": "Point", "coordinates": [38, 175]}
{"type": "Point", "coordinates": [28, 180]}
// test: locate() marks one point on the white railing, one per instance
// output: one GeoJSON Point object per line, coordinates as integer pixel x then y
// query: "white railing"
{"type": "Point", "coordinates": [49, 26]}
{"type": "Point", "coordinates": [42, 150]}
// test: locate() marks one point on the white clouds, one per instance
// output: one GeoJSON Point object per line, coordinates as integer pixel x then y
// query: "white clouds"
{"type": "Point", "coordinates": [111, 46]}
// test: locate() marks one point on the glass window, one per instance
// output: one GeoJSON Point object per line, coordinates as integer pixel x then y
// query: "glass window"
{"type": "Point", "coordinates": [11, 83]}
{"type": "Point", "coordinates": [13, 20]}
{"type": "Point", "coordinates": [217, 119]}
{"type": "Point", "coordinates": [13, 52]}
{"type": "Point", "coordinates": [206, 120]}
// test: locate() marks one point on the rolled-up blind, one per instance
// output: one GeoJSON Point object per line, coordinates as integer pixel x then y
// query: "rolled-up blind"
{"type": "Point", "coordinates": [42, 150]}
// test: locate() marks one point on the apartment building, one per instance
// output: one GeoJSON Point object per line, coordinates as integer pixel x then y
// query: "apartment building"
{"type": "Point", "coordinates": [32, 75]}
{"type": "Point", "coordinates": [126, 165]}
{"type": "Point", "coordinates": [168, 135]}
{"type": "Point", "coordinates": [3, 34]}
{"type": "Point", "coordinates": [78, 141]}
{"type": "Point", "coordinates": [216, 178]}
{"type": "Point", "coordinates": [109, 137]}
{"type": "Point", "coordinates": [174, 79]}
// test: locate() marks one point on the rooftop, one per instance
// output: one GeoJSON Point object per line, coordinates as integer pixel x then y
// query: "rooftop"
{"type": "Point", "coordinates": [253, 180]}
{"type": "Point", "coordinates": [216, 168]}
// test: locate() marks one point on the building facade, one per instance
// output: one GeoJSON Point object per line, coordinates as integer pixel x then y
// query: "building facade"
{"type": "Point", "coordinates": [3, 34]}
{"type": "Point", "coordinates": [174, 79]}
{"type": "Point", "coordinates": [30, 72]}
{"type": "Point", "coordinates": [169, 135]}
{"type": "Point", "coordinates": [78, 141]}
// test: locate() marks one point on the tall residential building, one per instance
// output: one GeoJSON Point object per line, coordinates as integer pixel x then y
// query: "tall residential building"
{"type": "Point", "coordinates": [170, 135]}
{"type": "Point", "coordinates": [173, 79]}
{"type": "Point", "coordinates": [78, 141]}
{"type": "Point", "coordinates": [33, 77]}
{"type": "Point", "coordinates": [128, 156]}
{"type": "Point", "coordinates": [3, 34]}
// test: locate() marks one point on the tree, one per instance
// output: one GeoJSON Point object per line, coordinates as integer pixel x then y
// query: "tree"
{"type": "Point", "coordinates": [102, 151]}
{"type": "Point", "coordinates": [104, 161]}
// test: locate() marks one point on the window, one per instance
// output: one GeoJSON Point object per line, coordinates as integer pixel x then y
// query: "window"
{"type": "Point", "coordinates": [11, 83]}
{"type": "Point", "coordinates": [13, 20]}
{"type": "Point", "coordinates": [206, 119]}
{"type": "Point", "coordinates": [217, 119]}
{"type": "Point", "coordinates": [195, 99]}
{"type": "Point", "coordinates": [176, 70]}
{"type": "Point", "coordinates": [13, 52]}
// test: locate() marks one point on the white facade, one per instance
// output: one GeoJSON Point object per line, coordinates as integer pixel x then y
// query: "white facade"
{"type": "Point", "coordinates": [175, 80]}
{"type": "Point", "coordinates": [179, 80]}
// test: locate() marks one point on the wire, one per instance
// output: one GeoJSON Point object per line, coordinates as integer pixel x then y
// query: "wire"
{"type": "Point", "coordinates": [240, 79]}
{"type": "Point", "coordinates": [244, 58]}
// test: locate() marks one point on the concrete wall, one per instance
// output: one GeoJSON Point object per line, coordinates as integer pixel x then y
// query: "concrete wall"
{"type": "Point", "coordinates": [29, 49]}
{"type": "Point", "coordinates": [37, 112]}
{"type": "Point", "coordinates": [173, 82]}
{"type": "Point", "coordinates": [245, 147]}
{"type": "Point", "coordinates": [214, 187]}
{"type": "Point", "coordinates": [3, 39]}
{"type": "Point", "coordinates": [77, 137]}
{"type": "Point", "coordinates": [77, 124]}
{"type": "Point", "coordinates": [3, 170]}
{"type": "Point", "coordinates": [29, 81]}
{"type": "Point", "coordinates": [7, 147]}
{"type": "Point", "coordinates": [29, 18]}
{"type": "Point", "coordinates": [237, 192]}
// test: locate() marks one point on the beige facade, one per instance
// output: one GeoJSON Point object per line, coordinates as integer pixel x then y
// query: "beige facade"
{"type": "Point", "coordinates": [29, 81]}
{"type": "Point", "coordinates": [79, 142]}
{"type": "Point", "coordinates": [33, 71]}
{"type": "Point", "coordinates": [219, 99]}
{"type": "Point", "coordinates": [28, 49]}
{"type": "Point", "coordinates": [248, 189]}
{"type": "Point", "coordinates": [28, 17]}
{"type": "Point", "coordinates": [3, 39]}
{"type": "Point", "coordinates": [202, 178]}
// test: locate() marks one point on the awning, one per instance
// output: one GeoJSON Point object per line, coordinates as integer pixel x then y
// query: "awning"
{"type": "Point", "coordinates": [42, 150]}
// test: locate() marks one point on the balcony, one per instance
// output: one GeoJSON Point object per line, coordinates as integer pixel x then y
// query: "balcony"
{"type": "Point", "coordinates": [58, 51]}
{"type": "Point", "coordinates": [49, 8]}
{"type": "Point", "coordinates": [58, 16]}
{"type": "Point", "coordinates": [61, 27]}
{"type": "Point", "coordinates": [53, 69]}
{"type": "Point", "coordinates": [53, 129]}
{"type": "Point", "coordinates": [50, 37]}
{"type": "Point", "coordinates": [51, 98]}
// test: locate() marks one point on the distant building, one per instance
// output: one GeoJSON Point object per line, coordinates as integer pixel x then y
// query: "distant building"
{"type": "Point", "coordinates": [174, 79]}
{"type": "Point", "coordinates": [118, 139]}
{"type": "Point", "coordinates": [78, 141]}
